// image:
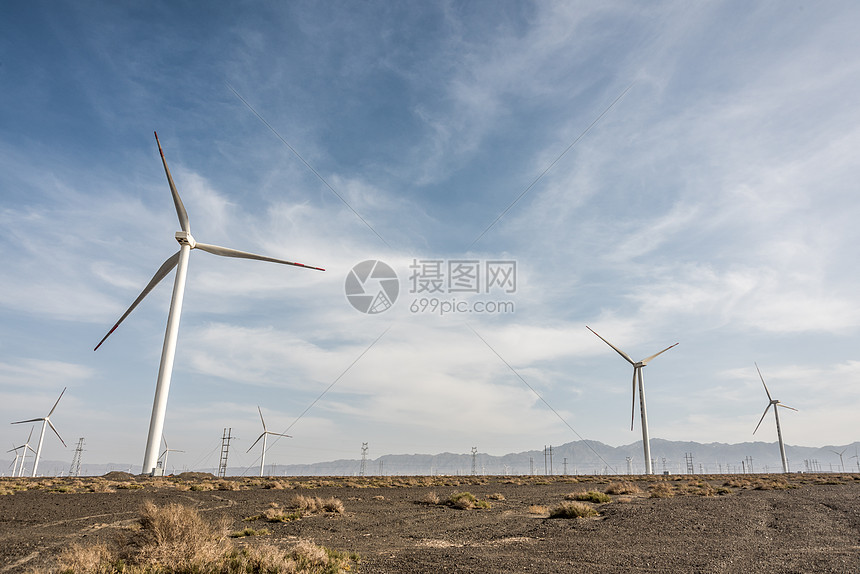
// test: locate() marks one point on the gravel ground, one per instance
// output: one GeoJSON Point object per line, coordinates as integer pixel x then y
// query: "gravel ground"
{"type": "Point", "coordinates": [709, 524]}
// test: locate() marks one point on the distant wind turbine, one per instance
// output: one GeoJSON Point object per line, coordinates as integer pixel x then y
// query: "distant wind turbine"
{"type": "Point", "coordinates": [774, 403]}
{"type": "Point", "coordinates": [263, 436]}
{"type": "Point", "coordinates": [839, 454]}
{"type": "Point", "coordinates": [637, 372]}
{"type": "Point", "coordinates": [21, 456]}
{"type": "Point", "coordinates": [46, 421]}
{"type": "Point", "coordinates": [179, 260]}
{"type": "Point", "coordinates": [167, 450]}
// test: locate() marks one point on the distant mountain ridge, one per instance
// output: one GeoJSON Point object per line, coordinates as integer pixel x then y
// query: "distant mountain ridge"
{"type": "Point", "coordinates": [578, 457]}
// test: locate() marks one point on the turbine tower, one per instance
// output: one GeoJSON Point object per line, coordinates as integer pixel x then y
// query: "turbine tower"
{"type": "Point", "coordinates": [180, 261]}
{"type": "Point", "coordinates": [774, 403]}
{"type": "Point", "coordinates": [637, 372]}
{"type": "Point", "coordinates": [263, 436]}
{"type": "Point", "coordinates": [46, 421]}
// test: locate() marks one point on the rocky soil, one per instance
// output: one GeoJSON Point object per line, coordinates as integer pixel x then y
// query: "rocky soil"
{"type": "Point", "coordinates": [746, 523]}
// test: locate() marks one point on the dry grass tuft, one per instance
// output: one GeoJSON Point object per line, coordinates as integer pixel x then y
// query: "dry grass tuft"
{"type": "Point", "coordinates": [466, 501]}
{"type": "Point", "coordinates": [623, 487]}
{"type": "Point", "coordinates": [308, 505]}
{"type": "Point", "coordinates": [538, 509]}
{"type": "Point", "coordinates": [430, 498]}
{"type": "Point", "coordinates": [496, 496]}
{"type": "Point", "coordinates": [573, 510]}
{"type": "Point", "coordinates": [174, 539]}
{"type": "Point", "coordinates": [661, 490]}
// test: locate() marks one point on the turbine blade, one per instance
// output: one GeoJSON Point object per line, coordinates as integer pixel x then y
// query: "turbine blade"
{"type": "Point", "coordinates": [227, 252]}
{"type": "Point", "coordinates": [162, 272]}
{"type": "Point", "coordinates": [28, 421]}
{"type": "Point", "coordinates": [645, 361]}
{"type": "Point", "coordinates": [58, 402]}
{"type": "Point", "coordinates": [50, 424]}
{"type": "Point", "coordinates": [255, 442]}
{"type": "Point", "coordinates": [278, 434]}
{"type": "Point", "coordinates": [785, 406]}
{"type": "Point", "coordinates": [617, 350]}
{"type": "Point", "coordinates": [762, 418]}
{"type": "Point", "coordinates": [633, 406]}
{"type": "Point", "coordinates": [177, 201]}
{"type": "Point", "coordinates": [762, 382]}
{"type": "Point", "coordinates": [261, 418]}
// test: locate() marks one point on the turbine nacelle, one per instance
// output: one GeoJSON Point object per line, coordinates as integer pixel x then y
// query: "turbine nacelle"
{"type": "Point", "coordinates": [185, 238]}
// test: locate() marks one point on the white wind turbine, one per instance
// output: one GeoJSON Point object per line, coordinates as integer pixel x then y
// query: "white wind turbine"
{"type": "Point", "coordinates": [180, 261]}
{"type": "Point", "coordinates": [774, 403]}
{"type": "Point", "coordinates": [263, 436]}
{"type": "Point", "coordinates": [167, 450]}
{"type": "Point", "coordinates": [637, 372]}
{"type": "Point", "coordinates": [20, 456]}
{"type": "Point", "coordinates": [839, 454]}
{"type": "Point", "coordinates": [23, 457]}
{"type": "Point", "coordinates": [46, 421]}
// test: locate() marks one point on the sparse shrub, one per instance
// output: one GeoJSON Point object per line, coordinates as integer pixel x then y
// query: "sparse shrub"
{"type": "Point", "coordinates": [466, 501]}
{"type": "Point", "coordinates": [275, 514]}
{"type": "Point", "coordinates": [312, 504]}
{"type": "Point", "coordinates": [538, 509]}
{"type": "Point", "coordinates": [590, 496]}
{"type": "Point", "coordinates": [496, 496]}
{"type": "Point", "coordinates": [227, 485]}
{"type": "Point", "coordinates": [623, 487]}
{"type": "Point", "coordinates": [378, 497]}
{"type": "Point", "coordinates": [430, 498]}
{"type": "Point", "coordinates": [661, 490]}
{"type": "Point", "coordinates": [572, 510]}
{"type": "Point", "coordinates": [173, 539]}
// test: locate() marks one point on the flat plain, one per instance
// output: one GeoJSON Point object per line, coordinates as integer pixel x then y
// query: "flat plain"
{"type": "Point", "coordinates": [700, 523]}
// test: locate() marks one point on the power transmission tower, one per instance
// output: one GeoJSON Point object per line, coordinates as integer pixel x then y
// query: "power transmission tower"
{"type": "Point", "coordinates": [381, 463]}
{"type": "Point", "coordinates": [75, 469]}
{"type": "Point", "coordinates": [531, 466]}
{"type": "Point", "coordinates": [547, 460]}
{"type": "Point", "coordinates": [749, 460]}
{"type": "Point", "coordinates": [363, 467]}
{"type": "Point", "coordinates": [225, 450]}
{"type": "Point", "coordinates": [474, 460]}
{"type": "Point", "coordinates": [688, 456]}
{"type": "Point", "coordinates": [565, 466]}
{"type": "Point", "coordinates": [629, 465]}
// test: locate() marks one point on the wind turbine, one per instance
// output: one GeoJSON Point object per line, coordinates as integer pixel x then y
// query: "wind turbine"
{"type": "Point", "coordinates": [637, 372]}
{"type": "Point", "coordinates": [46, 421]}
{"type": "Point", "coordinates": [839, 454]}
{"type": "Point", "coordinates": [180, 261]}
{"type": "Point", "coordinates": [167, 450]}
{"type": "Point", "coordinates": [263, 436]}
{"type": "Point", "coordinates": [26, 446]}
{"type": "Point", "coordinates": [774, 403]}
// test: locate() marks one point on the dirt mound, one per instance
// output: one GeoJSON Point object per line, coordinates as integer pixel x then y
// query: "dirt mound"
{"type": "Point", "coordinates": [119, 476]}
{"type": "Point", "coordinates": [195, 476]}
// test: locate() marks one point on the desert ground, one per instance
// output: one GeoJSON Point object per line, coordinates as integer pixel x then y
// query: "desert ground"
{"type": "Point", "coordinates": [727, 523]}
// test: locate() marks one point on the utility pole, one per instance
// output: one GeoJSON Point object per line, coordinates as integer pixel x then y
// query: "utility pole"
{"type": "Point", "coordinates": [363, 468]}
{"type": "Point", "coordinates": [225, 450]}
{"type": "Point", "coordinates": [474, 461]}
{"type": "Point", "coordinates": [75, 469]}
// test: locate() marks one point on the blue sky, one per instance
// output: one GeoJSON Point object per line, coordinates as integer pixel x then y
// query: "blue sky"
{"type": "Point", "coordinates": [713, 205]}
